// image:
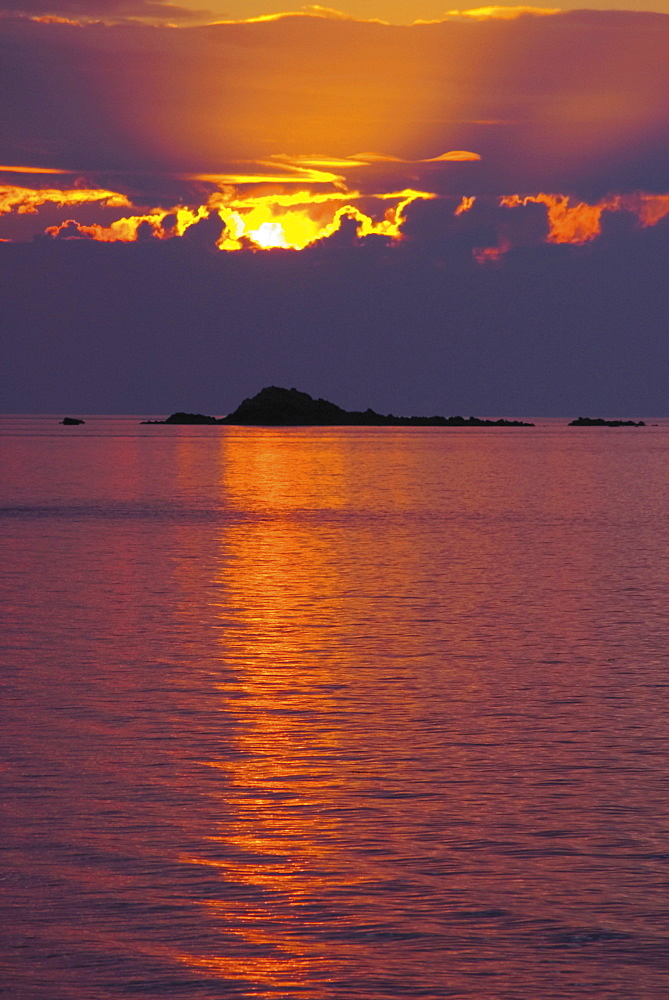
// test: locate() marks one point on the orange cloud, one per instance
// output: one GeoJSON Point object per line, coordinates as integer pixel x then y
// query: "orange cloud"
{"type": "Point", "coordinates": [308, 10]}
{"type": "Point", "coordinates": [455, 156]}
{"type": "Point", "coordinates": [465, 204]}
{"type": "Point", "coordinates": [55, 19]}
{"type": "Point", "coordinates": [126, 230]}
{"type": "Point", "coordinates": [580, 222]}
{"type": "Point", "coordinates": [4, 169]}
{"type": "Point", "coordinates": [296, 221]}
{"type": "Point", "coordinates": [649, 208]}
{"type": "Point", "coordinates": [261, 211]}
{"type": "Point", "coordinates": [121, 231]}
{"type": "Point", "coordinates": [498, 13]}
{"type": "Point", "coordinates": [569, 223]}
{"type": "Point", "coordinates": [24, 200]}
{"type": "Point", "coordinates": [286, 220]}
{"type": "Point", "coordinates": [282, 170]}
{"type": "Point", "coordinates": [316, 168]}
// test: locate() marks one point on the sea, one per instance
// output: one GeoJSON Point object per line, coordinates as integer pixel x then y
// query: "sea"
{"type": "Point", "coordinates": [334, 713]}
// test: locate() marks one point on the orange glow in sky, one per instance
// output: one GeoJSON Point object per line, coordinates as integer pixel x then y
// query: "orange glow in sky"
{"type": "Point", "coordinates": [295, 222]}
{"type": "Point", "coordinates": [251, 217]}
{"type": "Point", "coordinates": [265, 222]}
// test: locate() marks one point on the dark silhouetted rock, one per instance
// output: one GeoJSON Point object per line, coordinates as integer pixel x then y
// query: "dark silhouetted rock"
{"type": "Point", "coordinates": [277, 407]}
{"type": "Point", "coordinates": [72, 421]}
{"type": "Point", "coordinates": [286, 407]}
{"type": "Point", "coordinates": [600, 422]}
{"type": "Point", "coordinates": [185, 418]}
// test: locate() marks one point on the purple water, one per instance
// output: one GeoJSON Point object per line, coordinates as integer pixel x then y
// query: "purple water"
{"type": "Point", "coordinates": [334, 713]}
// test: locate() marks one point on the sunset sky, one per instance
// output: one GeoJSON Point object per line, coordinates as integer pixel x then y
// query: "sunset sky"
{"type": "Point", "coordinates": [393, 204]}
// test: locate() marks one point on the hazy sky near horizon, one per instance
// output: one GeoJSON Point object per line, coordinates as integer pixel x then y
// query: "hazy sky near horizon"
{"type": "Point", "coordinates": [508, 172]}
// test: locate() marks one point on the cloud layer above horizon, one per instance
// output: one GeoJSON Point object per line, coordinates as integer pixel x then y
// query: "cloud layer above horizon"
{"type": "Point", "coordinates": [469, 145]}
{"type": "Point", "coordinates": [345, 118]}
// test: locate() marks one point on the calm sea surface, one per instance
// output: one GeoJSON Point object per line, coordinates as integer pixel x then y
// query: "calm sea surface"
{"type": "Point", "coordinates": [334, 713]}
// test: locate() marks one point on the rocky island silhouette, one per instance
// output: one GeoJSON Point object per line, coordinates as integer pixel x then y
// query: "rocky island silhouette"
{"type": "Point", "coordinates": [274, 406]}
{"type": "Point", "coordinates": [601, 422]}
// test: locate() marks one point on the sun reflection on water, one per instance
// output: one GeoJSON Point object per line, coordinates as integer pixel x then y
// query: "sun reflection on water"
{"type": "Point", "coordinates": [295, 599]}
{"type": "Point", "coordinates": [382, 765]}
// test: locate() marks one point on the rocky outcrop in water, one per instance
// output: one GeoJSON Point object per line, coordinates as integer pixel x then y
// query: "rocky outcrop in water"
{"type": "Point", "coordinates": [600, 422]}
{"type": "Point", "coordinates": [185, 418]}
{"type": "Point", "coordinates": [72, 421]}
{"type": "Point", "coordinates": [277, 407]}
